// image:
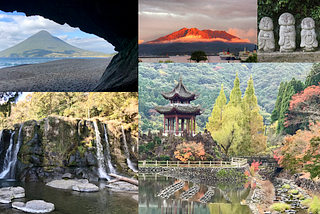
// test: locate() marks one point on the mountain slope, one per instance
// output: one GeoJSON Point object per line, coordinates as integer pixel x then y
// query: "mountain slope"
{"type": "Point", "coordinates": [43, 44]}
{"type": "Point", "coordinates": [194, 33]}
{"type": "Point", "coordinates": [185, 41]}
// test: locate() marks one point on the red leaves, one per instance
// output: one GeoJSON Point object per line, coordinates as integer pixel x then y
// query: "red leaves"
{"type": "Point", "coordinates": [255, 165]}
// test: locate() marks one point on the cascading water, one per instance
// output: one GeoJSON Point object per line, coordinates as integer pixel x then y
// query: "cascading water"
{"type": "Point", "coordinates": [111, 168]}
{"type": "Point", "coordinates": [100, 157]}
{"type": "Point", "coordinates": [9, 166]}
{"type": "Point", "coordinates": [1, 145]}
{"type": "Point", "coordinates": [130, 164]}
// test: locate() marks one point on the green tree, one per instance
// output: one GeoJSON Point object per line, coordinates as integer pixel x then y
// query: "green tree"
{"type": "Point", "coordinates": [254, 140]}
{"type": "Point", "coordinates": [277, 108]}
{"type": "Point", "coordinates": [198, 56]}
{"type": "Point", "coordinates": [313, 77]}
{"type": "Point", "coordinates": [215, 121]}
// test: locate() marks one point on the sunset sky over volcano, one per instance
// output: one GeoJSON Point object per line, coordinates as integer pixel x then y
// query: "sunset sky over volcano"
{"type": "Point", "coordinates": [160, 18]}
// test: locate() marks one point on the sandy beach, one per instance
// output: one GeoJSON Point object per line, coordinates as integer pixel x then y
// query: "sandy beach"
{"type": "Point", "coordinates": [60, 75]}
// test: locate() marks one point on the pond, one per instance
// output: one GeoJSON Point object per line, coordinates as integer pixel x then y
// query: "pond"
{"type": "Point", "coordinates": [225, 197]}
{"type": "Point", "coordinates": [71, 202]}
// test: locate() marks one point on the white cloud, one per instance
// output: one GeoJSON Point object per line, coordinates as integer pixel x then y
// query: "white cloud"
{"type": "Point", "coordinates": [20, 27]}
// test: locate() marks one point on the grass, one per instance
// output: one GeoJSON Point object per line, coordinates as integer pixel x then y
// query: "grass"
{"type": "Point", "coordinates": [280, 207]}
{"type": "Point", "coordinates": [286, 186]}
{"type": "Point", "coordinates": [315, 205]}
{"type": "Point", "coordinates": [306, 202]}
{"type": "Point", "coordinates": [294, 191]}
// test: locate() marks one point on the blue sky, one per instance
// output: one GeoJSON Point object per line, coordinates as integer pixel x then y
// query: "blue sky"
{"type": "Point", "coordinates": [16, 27]}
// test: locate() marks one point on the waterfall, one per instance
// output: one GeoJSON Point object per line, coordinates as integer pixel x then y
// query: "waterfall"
{"type": "Point", "coordinates": [9, 166]}
{"type": "Point", "coordinates": [1, 146]}
{"type": "Point", "coordinates": [100, 157]}
{"type": "Point", "coordinates": [126, 151]}
{"type": "Point", "coordinates": [111, 168]}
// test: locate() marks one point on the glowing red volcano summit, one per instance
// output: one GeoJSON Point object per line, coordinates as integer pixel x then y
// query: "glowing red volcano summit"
{"type": "Point", "coordinates": [194, 35]}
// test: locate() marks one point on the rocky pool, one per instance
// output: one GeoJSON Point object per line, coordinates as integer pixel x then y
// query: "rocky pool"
{"type": "Point", "coordinates": [164, 195]}
{"type": "Point", "coordinates": [70, 202]}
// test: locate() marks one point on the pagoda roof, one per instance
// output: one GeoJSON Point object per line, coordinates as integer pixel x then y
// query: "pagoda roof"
{"type": "Point", "coordinates": [180, 108]}
{"type": "Point", "coordinates": [180, 91]}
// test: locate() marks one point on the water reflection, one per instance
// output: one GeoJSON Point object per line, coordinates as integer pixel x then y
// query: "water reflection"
{"type": "Point", "coordinates": [225, 200]}
{"type": "Point", "coordinates": [71, 202]}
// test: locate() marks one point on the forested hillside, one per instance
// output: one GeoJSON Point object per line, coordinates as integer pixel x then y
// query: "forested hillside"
{"type": "Point", "coordinates": [207, 79]}
{"type": "Point", "coordinates": [39, 105]}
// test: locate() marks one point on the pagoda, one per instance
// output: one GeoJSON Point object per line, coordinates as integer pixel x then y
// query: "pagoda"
{"type": "Point", "coordinates": [179, 114]}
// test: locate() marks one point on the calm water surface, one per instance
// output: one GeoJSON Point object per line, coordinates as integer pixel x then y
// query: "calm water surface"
{"type": "Point", "coordinates": [226, 199]}
{"type": "Point", "coordinates": [71, 202]}
{"type": "Point", "coordinates": [184, 59]}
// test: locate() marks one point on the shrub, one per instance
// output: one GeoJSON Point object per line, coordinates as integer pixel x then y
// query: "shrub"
{"type": "Point", "coordinates": [255, 165]}
{"type": "Point", "coordinates": [190, 151]}
{"type": "Point", "coordinates": [165, 158]}
{"type": "Point", "coordinates": [280, 207]}
{"type": "Point", "coordinates": [222, 173]}
{"type": "Point", "coordinates": [247, 174]}
{"type": "Point", "coordinates": [294, 191]}
{"type": "Point", "coordinates": [142, 149]}
{"type": "Point", "coordinates": [286, 186]}
{"type": "Point", "coordinates": [157, 140]}
{"type": "Point", "coordinates": [306, 202]}
{"type": "Point", "coordinates": [150, 145]}
{"type": "Point", "coordinates": [315, 205]}
{"type": "Point", "coordinates": [252, 170]}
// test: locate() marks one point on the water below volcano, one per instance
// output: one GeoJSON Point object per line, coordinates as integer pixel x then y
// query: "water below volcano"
{"type": "Point", "coordinates": [71, 202]}
{"type": "Point", "coordinates": [225, 200]}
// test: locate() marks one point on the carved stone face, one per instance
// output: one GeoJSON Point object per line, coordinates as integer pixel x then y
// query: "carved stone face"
{"type": "Point", "coordinates": [266, 24]}
{"type": "Point", "coordinates": [286, 19]}
{"type": "Point", "coordinates": [307, 23]}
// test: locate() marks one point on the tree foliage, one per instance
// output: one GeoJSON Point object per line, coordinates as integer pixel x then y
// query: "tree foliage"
{"type": "Point", "coordinates": [198, 56]}
{"type": "Point", "coordinates": [238, 126]}
{"type": "Point", "coordinates": [300, 150]}
{"type": "Point", "coordinates": [190, 151]}
{"type": "Point", "coordinates": [38, 105]}
{"type": "Point", "coordinates": [313, 77]}
{"type": "Point", "coordinates": [206, 79]}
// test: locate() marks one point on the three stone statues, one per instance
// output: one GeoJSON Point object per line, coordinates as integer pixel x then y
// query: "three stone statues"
{"type": "Point", "coordinates": [287, 34]}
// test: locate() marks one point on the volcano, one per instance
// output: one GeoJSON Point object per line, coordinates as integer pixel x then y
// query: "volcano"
{"type": "Point", "coordinates": [185, 41]}
{"type": "Point", "coordinates": [43, 44]}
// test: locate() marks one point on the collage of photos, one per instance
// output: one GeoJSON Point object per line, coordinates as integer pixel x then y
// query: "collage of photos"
{"type": "Point", "coordinates": [160, 107]}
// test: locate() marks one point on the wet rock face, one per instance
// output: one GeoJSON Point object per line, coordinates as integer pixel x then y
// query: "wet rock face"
{"type": "Point", "coordinates": [114, 21]}
{"type": "Point", "coordinates": [58, 145]}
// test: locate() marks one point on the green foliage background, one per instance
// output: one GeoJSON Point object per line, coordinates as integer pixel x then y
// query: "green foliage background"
{"type": "Point", "coordinates": [206, 78]}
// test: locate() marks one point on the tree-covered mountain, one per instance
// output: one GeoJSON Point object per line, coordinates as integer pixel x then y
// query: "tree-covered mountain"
{"type": "Point", "coordinates": [43, 44]}
{"type": "Point", "coordinates": [207, 79]}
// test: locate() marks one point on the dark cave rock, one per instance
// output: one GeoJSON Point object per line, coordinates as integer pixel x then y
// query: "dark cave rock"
{"type": "Point", "coordinates": [115, 21]}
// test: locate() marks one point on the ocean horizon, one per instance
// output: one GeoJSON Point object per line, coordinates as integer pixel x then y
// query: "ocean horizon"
{"type": "Point", "coordinates": [15, 61]}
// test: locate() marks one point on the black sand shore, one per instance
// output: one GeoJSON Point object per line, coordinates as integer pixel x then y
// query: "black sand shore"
{"type": "Point", "coordinates": [60, 75]}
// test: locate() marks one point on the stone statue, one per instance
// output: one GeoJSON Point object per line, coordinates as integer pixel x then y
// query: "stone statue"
{"type": "Point", "coordinates": [308, 35]}
{"type": "Point", "coordinates": [266, 36]}
{"type": "Point", "coordinates": [287, 34]}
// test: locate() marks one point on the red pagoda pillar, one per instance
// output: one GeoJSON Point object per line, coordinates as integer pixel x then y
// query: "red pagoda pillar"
{"type": "Point", "coordinates": [164, 124]}
{"type": "Point", "coordinates": [191, 125]}
{"type": "Point", "coordinates": [177, 125]}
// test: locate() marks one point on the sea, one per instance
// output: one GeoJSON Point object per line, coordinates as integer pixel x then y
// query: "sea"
{"type": "Point", "coordinates": [184, 59]}
{"type": "Point", "coordinates": [15, 61]}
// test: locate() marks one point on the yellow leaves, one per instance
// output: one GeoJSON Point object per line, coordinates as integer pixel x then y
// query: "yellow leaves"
{"type": "Point", "coordinates": [190, 151]}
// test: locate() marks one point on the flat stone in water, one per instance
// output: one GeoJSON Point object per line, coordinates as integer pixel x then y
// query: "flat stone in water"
{"type": "Point", "coordinates": [65, 184]}
{"type": "Point", "coordinates": [9, 193]}
{"type": "Point", "coordinates": [122, 186]}
{"type": "Point", "coordinates": [81, 187]}
{"type": "Point", "coordinates": [34, 206]}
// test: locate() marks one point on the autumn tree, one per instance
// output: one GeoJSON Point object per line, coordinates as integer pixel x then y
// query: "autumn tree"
{"type": "Point", "coordinates": [190, 151]}
{"type": "Point", "coordinates": [304, 108]}
{"type": "Point", "coordinates": [215, 121]}
{"type": "Point", "coordinates": [254, 140]}
{"type": "Point", "coordinates": [238, 126]}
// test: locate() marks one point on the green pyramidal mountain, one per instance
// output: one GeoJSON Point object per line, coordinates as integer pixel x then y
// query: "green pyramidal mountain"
{"type": "Point", "coordinates": [43, 44]}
